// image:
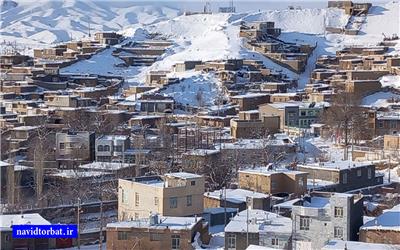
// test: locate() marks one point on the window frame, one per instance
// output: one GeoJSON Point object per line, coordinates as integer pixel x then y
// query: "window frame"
{"type": "Point", "coordinates": [171, 199]}
{"type": "Point", "coordinates": [122, 235]}
{"type": "Point", "coordinates": [175, 238]}
{"type": "Point", "coordinates": [304, 223]}
{"type": "Point", "coordinates": [338, 212]}
{"type": "Point", "coordinates": [189, 200]}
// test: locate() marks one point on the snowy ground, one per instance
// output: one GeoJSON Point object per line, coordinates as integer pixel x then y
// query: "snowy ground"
{"type": "Point", "coordinates": [196, 90]}
{"type": "Point", "coordinates": [390, 81]}
{"type": "Point", "coordinates": [381, 99]}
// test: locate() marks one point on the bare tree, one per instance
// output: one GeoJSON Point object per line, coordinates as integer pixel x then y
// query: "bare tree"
{"type": "Point", "coordinates": [346, 117]}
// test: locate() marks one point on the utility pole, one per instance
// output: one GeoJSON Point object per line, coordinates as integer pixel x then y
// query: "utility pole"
{"type": "Point", "coordinates": [247, 220]}
{"type": "Point", "coordinates": [224, 206]}
{"type": "Point", "coordinates": [101, 222]}
{"type": "Point", "coordinates": [78, 223]}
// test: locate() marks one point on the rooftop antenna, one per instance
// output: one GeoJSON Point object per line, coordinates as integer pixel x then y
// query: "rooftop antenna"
{"type": "Point", "coordinates": [89, 27]}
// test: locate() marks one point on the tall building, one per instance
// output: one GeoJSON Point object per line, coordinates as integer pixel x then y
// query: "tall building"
{"type": "Point", "coordinates": [326, 216]}
{"type": "Point", "coordinates": [174, 194]}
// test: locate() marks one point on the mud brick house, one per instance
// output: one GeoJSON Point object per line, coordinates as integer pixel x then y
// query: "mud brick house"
{"type": "Point", "coordinates": [156, 232]}
{"type": "Point", "coordinates": [273, 181]}
{"type": "Point", "coordinates": [384, 123]}
{"type": "Point", "coordinates": [109, 38]}
{"type": "Point", "coordinates": [250, 101]}
{"type": "Point", "coordinates": [383, 229]}
{"type": "Point", "coordinates": [254, 127]}
{"type": "Point", "coordinates": [391, 142]}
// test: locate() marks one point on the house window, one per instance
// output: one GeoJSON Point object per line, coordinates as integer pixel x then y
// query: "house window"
{"type": "Point", "coordinates": [232, 241]}
{"type": "Point", "coordinates": [156, 201]}
{"type": "Point", "coordinates": [192, 183]}
{"type": "Point", "coordinates": [275, 241]}
{"type": "Point", "coordinates": [155, 237]}
{"type": "Point", "coordinates": [359, 172]}
{"type": "Point", "coordinates": [118, 148]}
{"type": "Point", "coordinates": [344, 178]}
{"type": "Point", "coordinates": [122, 235]}
{"type": "Point", "coordinates": [301, 181]}
{"type": "Point", "coordinates": [136, 199]}
{"type": "Point", "coordinates": [175, 241]}
{"type": "Point", "coordinates": [393, 124]}
{"type": "Point", "coordinates": [380, 124]}
{"type": "Point", "coordinates": [338, 232]}
{"type": "Point", "coordinates": [369, 173]}
{"type": "Point", "coordinates": [304, 223]}
{"type": "Point", "coordinates": [100, 148]}
{"type": "Point", "coordinates": [124, 196]}
{"type": "Point", "coordinates": [62, 145]}
{"type": "Point", "coordinates": [339, 212]}
{"type": "Point", "coordinates": [106, 148]}
{"type": "Point", "coordinates": [136, 216]}
{"type": "Point", "coordinates": [273, 185]}
{"type": "Point", "coordinates": [189, 200]}
{"type": "Point", "coordinates": [173, 202]}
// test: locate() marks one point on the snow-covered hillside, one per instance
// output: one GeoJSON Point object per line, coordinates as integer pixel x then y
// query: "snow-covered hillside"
{"type": "Point", "coordinates": [48, 21]}
{"type": "Point", "coordinates": [195, 37]}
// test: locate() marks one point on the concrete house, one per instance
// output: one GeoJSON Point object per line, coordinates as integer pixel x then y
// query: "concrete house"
{"type": "Point", "coordinates": [74, 148]}
{"type": "Point", "coordinates": [174, 194]}
{"type": "Point", "coordinates": [344, 175]}
{"type": "Point", "coordinates": [237, 198]}
{"type": "Point", "coordinates": [111, 148]}
{"type": "Point", "coordinates": [325, 216]}
{"type": "Point", "coordinates": [260, 228]}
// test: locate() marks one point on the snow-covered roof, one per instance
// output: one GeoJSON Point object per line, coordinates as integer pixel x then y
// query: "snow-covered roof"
{"type": "Point", "coordinates": [183, 175]}
{"type": "Point", "coordinates": [203, 152]}
{"type": "Point", "coordinates": [4, 164]}
{"type": "Point", "coordinates": [105, 165]}
{"type": "Point", "coordinates": [255, 247]}
{"type": "Point", "coordinates": [356, 245]}
{"type": "Point", "coordinates": [113, 137]}
{"type": "Point", "coordinates": [260, 222]}
{"type": "Point", "coordinates": [337, 165]}
{"type": "Point", "coordinates": [249, 95]}
{"type": "Point", "coordinates": [7, 220]}
{"type": "Point", "coordinates": [389, 220]}
{"type": "Point", "coordinates": [234, 195]}
{"type": "Point", "coordinates": [265, 171]}
{"type": "Point", "coordinates": [317, 202]}
{"type": "Point", "coordinates": [70, 173]}
{"type": "Point", "coordinates": [172, 223]}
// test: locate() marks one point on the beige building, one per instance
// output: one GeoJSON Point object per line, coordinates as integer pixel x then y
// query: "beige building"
{"type": "Point", "coordinates": [156, 232]}
{"type": "Point", "coordinates": [391, 142]}
{"type": "Point", "coordinates": [273, 181]}
{"type": "Point", "coordinates": [174, 194]}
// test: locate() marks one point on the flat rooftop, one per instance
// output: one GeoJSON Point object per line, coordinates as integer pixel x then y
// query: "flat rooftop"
{"type": "Point", "coordinates": [260, 221]}
{"type": "Point", "coordinates": [235, 195]}
{"type": "Point", "coordinates": [172, 223]}
{"type": "Point", "coordinates": [337, 165]}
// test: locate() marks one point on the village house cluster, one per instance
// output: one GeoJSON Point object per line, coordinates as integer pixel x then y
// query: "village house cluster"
{"type": "Point", "coordinates": [136, 168]}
